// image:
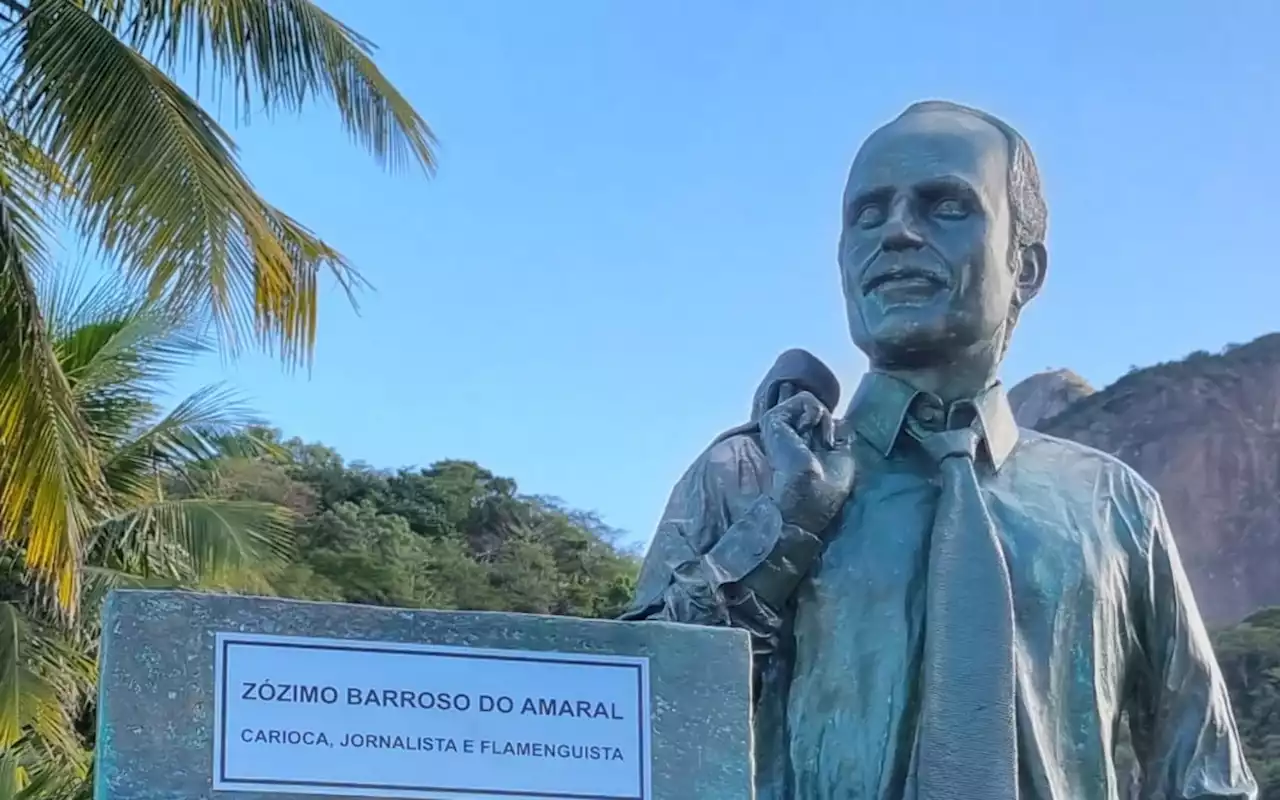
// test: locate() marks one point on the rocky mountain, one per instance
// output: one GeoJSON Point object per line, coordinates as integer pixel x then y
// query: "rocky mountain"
{"type": "Point", "coordinates": [1205, 431]}
{"type": "Point", "coordinates": [1046, 395]}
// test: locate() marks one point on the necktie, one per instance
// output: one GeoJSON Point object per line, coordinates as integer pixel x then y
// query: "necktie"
{"type": "Point", "coordinates": [966, 741]}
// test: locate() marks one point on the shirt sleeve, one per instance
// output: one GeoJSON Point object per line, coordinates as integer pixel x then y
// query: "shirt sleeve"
{"type": "Point", "coordinates": [721, 554]}
{"type": "Point", "coordinates": [1183, 729]}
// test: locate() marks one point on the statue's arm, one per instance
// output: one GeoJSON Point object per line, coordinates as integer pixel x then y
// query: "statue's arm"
{"type": "Point", "coordinates": [722, 554]}
{"type": "Point", "coordinates": [1183, 729]}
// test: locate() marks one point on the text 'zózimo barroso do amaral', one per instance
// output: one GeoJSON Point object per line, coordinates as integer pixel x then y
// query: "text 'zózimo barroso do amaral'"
{"type": "Point", "coordinates": [429, 701]}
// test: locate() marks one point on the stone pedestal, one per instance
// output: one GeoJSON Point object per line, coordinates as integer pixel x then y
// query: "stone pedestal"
{"type": "Point", "coordinates": [214, 696]}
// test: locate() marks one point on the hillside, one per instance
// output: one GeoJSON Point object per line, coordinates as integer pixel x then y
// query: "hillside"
{"type": "Point", "coordinates": [1205, 431]}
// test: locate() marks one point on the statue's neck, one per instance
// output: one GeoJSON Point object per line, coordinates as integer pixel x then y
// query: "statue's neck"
{"type": "Point", "coordinates": [947, 387]}
{"type": "Point", "coordinates": [959, 376]}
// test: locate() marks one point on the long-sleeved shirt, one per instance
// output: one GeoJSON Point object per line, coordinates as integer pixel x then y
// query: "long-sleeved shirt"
{"type": "Point", "coordinates": [1105, 619]}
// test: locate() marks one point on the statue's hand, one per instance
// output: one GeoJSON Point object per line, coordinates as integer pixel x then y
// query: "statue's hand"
{"type": "Point", "coordinates": [812, 471]}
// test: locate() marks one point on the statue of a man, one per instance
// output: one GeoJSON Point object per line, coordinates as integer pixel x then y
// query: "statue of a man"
{"type": "Point", "coordinates": [944, 606]}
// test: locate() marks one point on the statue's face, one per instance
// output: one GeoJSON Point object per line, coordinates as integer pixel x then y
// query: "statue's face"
{"type": "Point", "coordinates": [925, 248]}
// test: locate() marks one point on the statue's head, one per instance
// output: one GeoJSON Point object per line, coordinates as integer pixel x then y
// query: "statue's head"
{"type": "Point", "coordinates": [942, 240]}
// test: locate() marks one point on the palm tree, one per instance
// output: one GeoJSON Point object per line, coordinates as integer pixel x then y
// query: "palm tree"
{"type": "Point", "coordinates": [97, 135]}
{"type": "Point", "coordinates": [151, 527]}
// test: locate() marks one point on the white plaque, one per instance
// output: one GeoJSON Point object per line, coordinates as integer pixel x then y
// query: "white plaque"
{"type": "Point", "coordinates": [347, 718]}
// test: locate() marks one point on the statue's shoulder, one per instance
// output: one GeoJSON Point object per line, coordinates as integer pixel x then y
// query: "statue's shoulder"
{"type": "Point", "coordinates": [1072, 464]}
{"type": "Point", "coordinates": [733, 465]}
{"type": "Point", "coordinates": [736, 444]}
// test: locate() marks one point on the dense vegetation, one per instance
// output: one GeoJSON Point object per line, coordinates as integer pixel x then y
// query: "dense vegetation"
{"type": "Point", "coordinates": [1249, 654]}
{"type": "Point", "coordinates": [449, 536]}
{"type": "Point", "coordinates": [252, 513]}
{"type": "Point", "coordinates": [198, 496]}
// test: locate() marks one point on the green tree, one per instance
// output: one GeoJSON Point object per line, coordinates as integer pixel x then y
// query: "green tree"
{"type": "Point", "coordinates": [451, 536]}
{"type": "Point", "coordinates": [116, 353]}
{"type": "Point", "coordinates": [1249, 654]}
{"type": "Point", "coordinates": [97, 134]}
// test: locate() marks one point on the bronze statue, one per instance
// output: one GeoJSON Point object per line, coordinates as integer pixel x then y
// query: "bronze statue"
{"type": "Point", "coordinates": [943, 606]}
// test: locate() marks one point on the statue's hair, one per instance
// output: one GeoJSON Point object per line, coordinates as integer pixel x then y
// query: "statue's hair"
{"type": "Point", "coordinates": [1030, 215]}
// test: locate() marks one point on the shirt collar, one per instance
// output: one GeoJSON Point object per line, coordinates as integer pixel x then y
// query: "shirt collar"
{"type": "Point", "coordinates": [879, 409]}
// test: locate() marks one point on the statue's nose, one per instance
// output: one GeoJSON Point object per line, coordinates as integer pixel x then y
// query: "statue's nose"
{"type": "Point", "coordinates": [900, 231]}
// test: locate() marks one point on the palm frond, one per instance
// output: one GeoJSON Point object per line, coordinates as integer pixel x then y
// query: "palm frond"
{"type": "Point", "coordinates": [200, 538]}
{"type": "Point", "coordinates": [278, 55]}
{"type": "Point", "coordinates": [252, 581]}
{"type": "Point", "coordinates": [29, 179]}
{"type": "Point", "coordinates": [71, 300]}
{"type": "Point", "coordinates": [58, 781]}
{"type": "Point", "coordinates": [116, 351]}
{"type": "Point", "coordinates": [42, 680]}
{"type": "Point", "coordinates": [310, 257]}
{"type": "Point", "coordinates": [202, 429]}
{"type": "Point", "coordinates": [157, 182]}
{"type": "Point", "coordinates": [13, 773]}
{"type": "Point", "coordinates": [254, 440]}
{"type": "Point", "coordinates": [48, 466]}
{"type": "Point", "coordinates": [100, 581]}
{"type": "Point", "coordinates": [137, 351]}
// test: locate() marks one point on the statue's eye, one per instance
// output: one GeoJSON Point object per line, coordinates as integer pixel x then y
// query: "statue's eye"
{"type": "Point", "coordinates": [951, 208]}
{"type": "Point", "coordinates": [869, 216]}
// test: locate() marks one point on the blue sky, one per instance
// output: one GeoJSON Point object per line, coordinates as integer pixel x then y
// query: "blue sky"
{"type": "Point", "coordinates": [637, 209]}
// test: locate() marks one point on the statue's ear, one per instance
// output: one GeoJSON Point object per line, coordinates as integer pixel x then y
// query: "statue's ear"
{"type": "Point", "coordinates": [1033, 263]}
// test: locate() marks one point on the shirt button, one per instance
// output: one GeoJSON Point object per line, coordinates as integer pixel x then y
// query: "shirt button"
{"type": "Point", "coordinates": [929, 414]}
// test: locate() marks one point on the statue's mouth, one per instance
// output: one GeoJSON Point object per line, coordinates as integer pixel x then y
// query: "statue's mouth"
{"type": "Point", "coordinates": [905, 278]}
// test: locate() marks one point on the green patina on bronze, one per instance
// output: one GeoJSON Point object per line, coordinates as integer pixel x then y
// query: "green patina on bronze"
{"type": "Point", "coordinates": [814, 534]}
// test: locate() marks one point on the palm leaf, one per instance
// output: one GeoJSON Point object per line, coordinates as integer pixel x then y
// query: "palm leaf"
{"type": "Point", "coordinates": [42, 680]}
{"type": "Point", "coordinates": [157, 181]}
{"type": "Point", "coordinates": [13, 773]}
{"type": "Point", "coordinates": [29, 180]}
{"type": "Point", "coordinates": [278, 55]}
{"type": "Point", "coordinates": [310, 257]}
{"type": "Point", "coordinates": [48, 469]}
{"type": "Point", "coordinates": [198, 432]}
{"type": "Point", "coordinates": [200, 538]}
{"type": "Point", "coordinates": [117, 353]}
{"type": "Point", "coordinates": [108, 336]}
{"type": "Point", "coordinates": [134, 355]}
{"type": "Point", "coordinates": [57, 781]}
